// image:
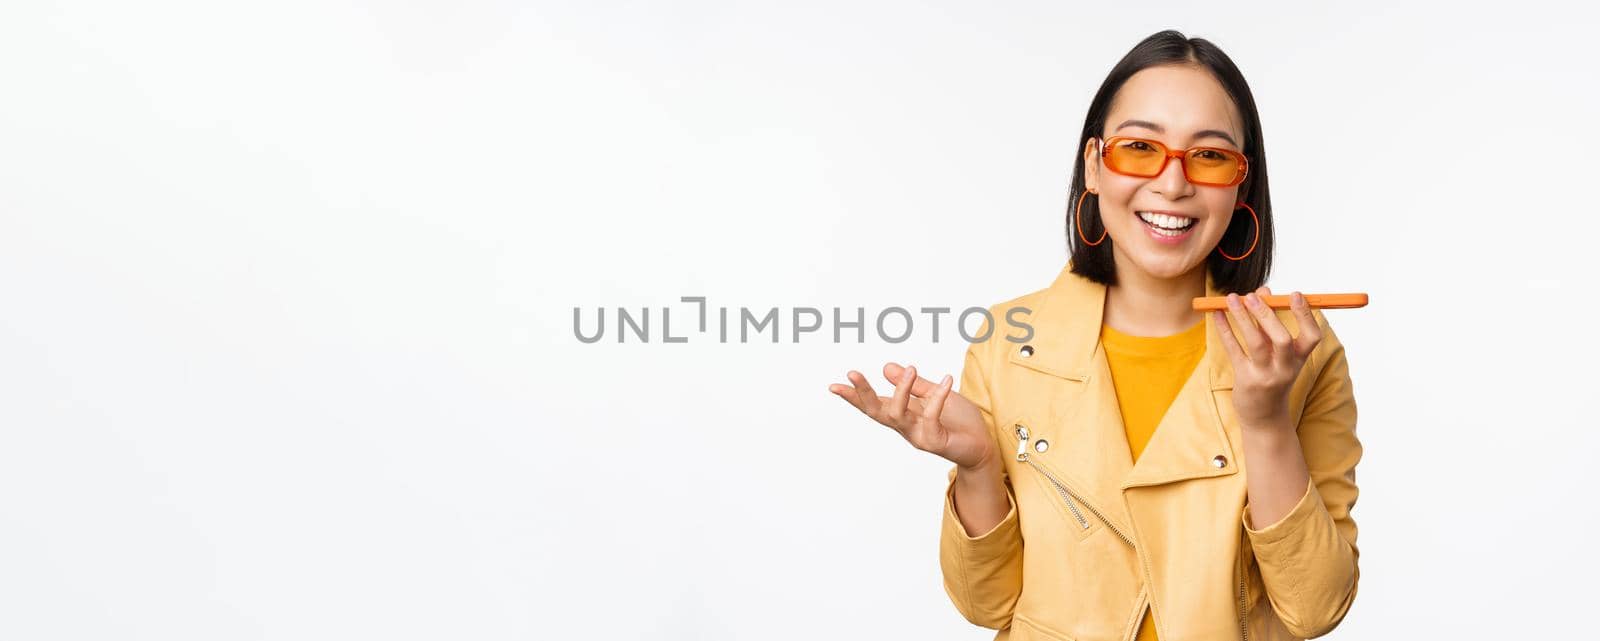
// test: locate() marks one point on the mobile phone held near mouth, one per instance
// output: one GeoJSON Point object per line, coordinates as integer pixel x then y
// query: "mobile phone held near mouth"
{"type": "Point", "coordinates": [1282, 301]}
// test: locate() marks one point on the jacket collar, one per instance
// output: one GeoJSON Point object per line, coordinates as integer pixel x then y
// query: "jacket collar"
{"type": "Point", "coordinates": [1191, 435]}
{"type": "Point", "coordinates": [1067, 327]}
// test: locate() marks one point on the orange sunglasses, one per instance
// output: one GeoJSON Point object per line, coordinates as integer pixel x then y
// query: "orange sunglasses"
{"type": "Point", "coordinates": [1145, 158]}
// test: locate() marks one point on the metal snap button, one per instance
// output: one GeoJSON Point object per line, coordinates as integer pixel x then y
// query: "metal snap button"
{"type": "Point", "coordinates": [1220, 461]}
{"type": "Point", "coordinates": [1027, 350]}
{"type": "Point", "coordinates": [1041, 445]}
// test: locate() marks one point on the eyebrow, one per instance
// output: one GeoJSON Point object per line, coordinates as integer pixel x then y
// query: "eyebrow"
{"type": "Point", "coordinates": [1198, 134]}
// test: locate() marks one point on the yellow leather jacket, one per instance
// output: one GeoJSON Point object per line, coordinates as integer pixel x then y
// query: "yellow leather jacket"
{"type": "Point", "coordinates": [1092, 540]}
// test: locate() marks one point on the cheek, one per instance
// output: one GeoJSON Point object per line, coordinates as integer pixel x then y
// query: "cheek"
{"type": "Point", "coordinates": [1220, 209]}
{"type": "Point", "coordinates": [1116, 196]}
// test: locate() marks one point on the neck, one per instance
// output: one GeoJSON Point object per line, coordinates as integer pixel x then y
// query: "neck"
{"type": "Point", "coordinates": [1144, 305]}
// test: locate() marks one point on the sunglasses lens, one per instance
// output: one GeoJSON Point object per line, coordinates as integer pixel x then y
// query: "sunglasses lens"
{"type": "Point", "coordinates": [1146, 158]}
{"type": "Point", "coordinates": [1136, 157]}
{"type": "Point", "coordinates": [1211, 166]}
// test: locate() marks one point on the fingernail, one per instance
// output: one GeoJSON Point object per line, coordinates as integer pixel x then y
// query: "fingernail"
{"type": "Point", "coordinates": [1298, 299]}
{"type": "Point", "coordinates": [1233, 301]}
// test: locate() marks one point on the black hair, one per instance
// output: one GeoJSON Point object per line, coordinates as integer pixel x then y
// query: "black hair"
{"type": "Point", "coordinates": [1172, 48]}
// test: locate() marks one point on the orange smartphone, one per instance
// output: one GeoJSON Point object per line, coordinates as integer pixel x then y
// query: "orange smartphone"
{"type": "Point", "coordinates": [1281, 301]}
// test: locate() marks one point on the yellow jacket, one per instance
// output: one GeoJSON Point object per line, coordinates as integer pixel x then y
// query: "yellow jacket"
{"type": "Point", "coordinates": [1092, 539]}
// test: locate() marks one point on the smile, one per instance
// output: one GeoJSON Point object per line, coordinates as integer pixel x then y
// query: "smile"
{"type": "Point", "coordinates": [1167, 225]}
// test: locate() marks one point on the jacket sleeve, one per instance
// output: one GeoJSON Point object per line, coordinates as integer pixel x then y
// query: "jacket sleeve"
{"type": "Point", "coordinates": [1309, 557]}
{"type": "Point", "coordinates": [983, 573]}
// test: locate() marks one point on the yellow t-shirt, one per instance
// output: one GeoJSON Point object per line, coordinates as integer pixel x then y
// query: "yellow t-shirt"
{"type": "Point", "coordinates": [1147, 372]}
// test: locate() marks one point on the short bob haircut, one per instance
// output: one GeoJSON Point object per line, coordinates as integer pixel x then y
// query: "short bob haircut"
{"type": "Point", "coordinates": [1172, 48]}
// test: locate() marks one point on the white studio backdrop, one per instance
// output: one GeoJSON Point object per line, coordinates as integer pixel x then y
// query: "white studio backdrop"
{"type": "Point", "coordinates": [287, 345]}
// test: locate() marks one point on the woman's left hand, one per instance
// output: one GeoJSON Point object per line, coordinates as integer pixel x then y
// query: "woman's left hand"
{"type": "Point", "coordinates": [1265, 367]}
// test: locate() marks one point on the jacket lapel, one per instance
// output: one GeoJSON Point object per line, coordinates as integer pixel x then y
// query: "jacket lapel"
{"type": "Point", "coordinates": [1191, 435]}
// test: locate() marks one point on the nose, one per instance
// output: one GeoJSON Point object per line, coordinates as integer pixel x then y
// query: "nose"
{"type": "Point", "coordinates": [1171, 182]}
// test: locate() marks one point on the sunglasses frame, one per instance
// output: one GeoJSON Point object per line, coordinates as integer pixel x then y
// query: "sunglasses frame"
{"type": "Point", "coordinates": [1105, 152]}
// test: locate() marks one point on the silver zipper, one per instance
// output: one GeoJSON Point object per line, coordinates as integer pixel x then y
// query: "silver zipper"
{"type": "Point", "coordinates": [1244, 613]}
{"type": "Point", "coordinates": [1067, 495]}
{"type": "Point", "coordinates": [1244, 625]}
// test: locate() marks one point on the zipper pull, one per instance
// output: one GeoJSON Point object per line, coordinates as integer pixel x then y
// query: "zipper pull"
{"type": "Point", "coordinates": [1022, 442]}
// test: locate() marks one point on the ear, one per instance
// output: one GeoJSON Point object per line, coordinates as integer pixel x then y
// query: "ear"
{"type": "Point", "coordinates": [1091, 166]}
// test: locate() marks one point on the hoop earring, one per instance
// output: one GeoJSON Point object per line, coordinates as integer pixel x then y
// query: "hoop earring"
{"type": "Point", "coordinates": [1257, 237]}
{"type": "Point", "coordinates": [1078, 216]}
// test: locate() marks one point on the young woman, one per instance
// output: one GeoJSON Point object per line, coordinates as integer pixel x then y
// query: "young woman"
{"type": "Point", "coordinates": [1136, 469]}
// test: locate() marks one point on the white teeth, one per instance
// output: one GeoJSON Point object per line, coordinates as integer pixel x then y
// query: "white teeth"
{"type": "Point", "coordinates": [1165, 221]}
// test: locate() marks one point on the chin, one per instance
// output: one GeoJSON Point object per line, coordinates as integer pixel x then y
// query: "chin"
{"type": "Point", "coordinates": [1168, 266]}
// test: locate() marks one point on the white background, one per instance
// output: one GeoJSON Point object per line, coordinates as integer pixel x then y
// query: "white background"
{"type": "Point", "coordinates": [286, 293]}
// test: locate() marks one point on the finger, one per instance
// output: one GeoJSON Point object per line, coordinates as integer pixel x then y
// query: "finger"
{"type": "Point", "coordinates": [847, 393]}
{"type": "Point", "coordinates": [1277, 334]}
{"type": "Point", "coordinates": [935, 404]}
{"type": "Point", "coordinates": [902, 393]}
{"type": "Point", "coordinates": [1229, 343]}
{"type": "Point", "coordinates": [920, 388]}
{"type": "Point", "coordinates": [1255, 343]}
{"type": "Point", "coordinates": [1310, 331]}
{"type": "Point", "coordinates": [866, 397]}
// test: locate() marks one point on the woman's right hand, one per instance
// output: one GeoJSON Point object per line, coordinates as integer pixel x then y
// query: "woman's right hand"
{"type": "Point", "coordinates": [930, 416]}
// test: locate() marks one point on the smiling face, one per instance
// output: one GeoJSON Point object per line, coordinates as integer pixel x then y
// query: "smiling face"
{"type": "Point", "coordinates": [1182, 107]}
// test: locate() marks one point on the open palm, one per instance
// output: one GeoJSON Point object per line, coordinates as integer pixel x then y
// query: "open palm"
{"type": "Point", "coordinates": [929, 415]}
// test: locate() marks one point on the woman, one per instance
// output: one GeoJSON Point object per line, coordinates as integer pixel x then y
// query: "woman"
{"type": "Point", "coordinates": [1135, 468]}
